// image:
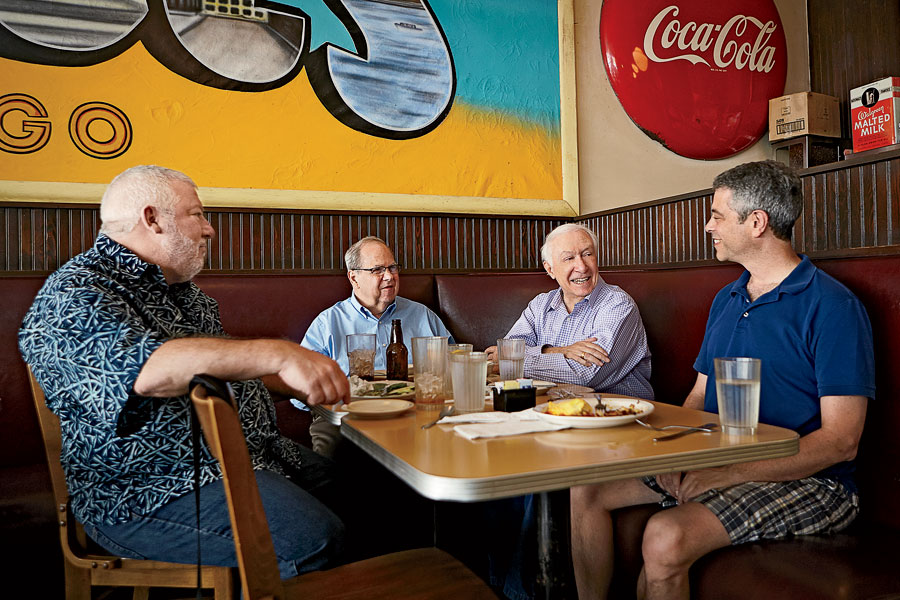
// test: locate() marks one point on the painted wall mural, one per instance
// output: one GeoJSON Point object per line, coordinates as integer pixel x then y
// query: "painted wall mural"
{"type": "Point", "coordinates": [428, 97]}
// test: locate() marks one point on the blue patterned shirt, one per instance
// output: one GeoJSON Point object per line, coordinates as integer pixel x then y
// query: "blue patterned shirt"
{"type": "Point", "coordinates": [91, 328]}
{"type": "Point", "coordinates": [608, 314]}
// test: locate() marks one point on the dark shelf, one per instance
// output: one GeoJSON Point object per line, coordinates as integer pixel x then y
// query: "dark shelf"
{"type": "Point", "coordinates": [805, 151]}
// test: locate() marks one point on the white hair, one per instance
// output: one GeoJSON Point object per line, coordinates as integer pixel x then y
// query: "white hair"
{"type": "Point", "coordinates": [563, 229]}
{"type": "Point", "coordinates": [352, 257]}
{"type": "Point", "coordinates": [133, 189]}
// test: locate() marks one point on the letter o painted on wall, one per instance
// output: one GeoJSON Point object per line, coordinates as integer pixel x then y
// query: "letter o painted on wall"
{"type": "Point", "coordinates": [100, 130]}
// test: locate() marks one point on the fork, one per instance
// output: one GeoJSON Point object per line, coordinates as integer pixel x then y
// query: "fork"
{"type": "Point", "coordinates": [684, 432]}
{"type": "Point", "coordinates": [445, 412]}
{"type": "Point", "coordinates": [558, 393]}
{"type": "Point", "coordinates": [707, 427]}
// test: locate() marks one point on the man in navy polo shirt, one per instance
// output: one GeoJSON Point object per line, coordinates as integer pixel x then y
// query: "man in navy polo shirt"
{"type": "Point", "coordinates": [815, 343]}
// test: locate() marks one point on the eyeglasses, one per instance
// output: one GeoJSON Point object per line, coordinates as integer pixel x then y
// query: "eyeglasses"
{"type": "Point", "coordinates": [379, 271]}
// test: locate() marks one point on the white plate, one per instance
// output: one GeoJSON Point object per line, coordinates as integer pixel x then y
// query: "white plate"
{"type": "Point", "coordinates": [543, 386]}
{"type": "Point", "coordinates": [644, 408]}
{"type": "Point", "coordinates": [378, 409]}
{"type": "Point", "coordinates": [411, 394]}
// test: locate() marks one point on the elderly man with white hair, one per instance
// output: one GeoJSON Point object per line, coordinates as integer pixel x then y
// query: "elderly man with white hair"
{"type": "Point", "coordinates": [586, 332]}
{"type": "Point", "coordinates": [114, 338]}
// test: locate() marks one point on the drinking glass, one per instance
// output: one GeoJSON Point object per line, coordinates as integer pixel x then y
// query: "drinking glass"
{"type": "Point", "coordinates": [468, 371]}
{"type": "Point", "coordinates": [361, 355]}
{"type": "Point", "coordinates": [429, 362]}
{"type": "Point", "coordinates": [453, 349]}
{"type": "Point", "coordinates": [511, 353]}
{"type": "Point", "coordinates": [737, 392]}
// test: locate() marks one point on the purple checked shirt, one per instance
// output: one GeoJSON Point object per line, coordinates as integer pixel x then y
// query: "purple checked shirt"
{"type": "Point", "coordinates": [608, 314]}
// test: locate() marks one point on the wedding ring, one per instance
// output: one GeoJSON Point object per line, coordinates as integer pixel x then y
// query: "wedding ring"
{"type": "Point", "coordinates": [582, 356]}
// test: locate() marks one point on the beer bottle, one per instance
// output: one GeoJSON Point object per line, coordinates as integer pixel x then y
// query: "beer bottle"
{"type": "Point", "coordinates": [396, 355]}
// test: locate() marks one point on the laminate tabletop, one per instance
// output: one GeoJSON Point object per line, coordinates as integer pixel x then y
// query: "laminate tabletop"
{"type": "Point", "coordinates": [443, 465]}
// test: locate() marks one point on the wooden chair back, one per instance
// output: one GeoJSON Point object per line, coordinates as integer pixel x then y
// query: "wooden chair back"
{"type": "Point", "coordinates": [222, 429]}
{"type": "Point", "coordinates": [420, 574]}
{"type": "Point", "coordinates": [85, 568]}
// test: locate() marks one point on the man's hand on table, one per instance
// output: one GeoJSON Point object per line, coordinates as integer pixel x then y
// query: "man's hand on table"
{"type": "Point", "coordinates": [316, 378]}
{"type": "Point", "coordinates": [491, 352]}
{"type": "Point", "coordinates": [585, 352]}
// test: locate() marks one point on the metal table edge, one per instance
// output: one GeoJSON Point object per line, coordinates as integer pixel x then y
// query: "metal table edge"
{"type": "Point", "coordinates": [459, 489]}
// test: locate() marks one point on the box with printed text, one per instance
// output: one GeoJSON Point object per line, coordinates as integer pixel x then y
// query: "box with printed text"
{"type": "Point", "coordinates": [804, 113]}
{"type": "Point", "coordinates": [874, 109]}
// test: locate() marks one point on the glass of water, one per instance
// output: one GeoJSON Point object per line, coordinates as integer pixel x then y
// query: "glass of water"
{"type": "Point", "coordinates": [737, 392]}
{"type": "Point", "coordinates": [453, 349]}
{"type": "Point", "coordinates": [511, 353]}
{"type": "Point", "coordinates": [468, 371]}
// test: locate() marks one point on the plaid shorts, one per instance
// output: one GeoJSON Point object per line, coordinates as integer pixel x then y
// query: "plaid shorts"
{"type": "Point", "coordinates": [763, 510]}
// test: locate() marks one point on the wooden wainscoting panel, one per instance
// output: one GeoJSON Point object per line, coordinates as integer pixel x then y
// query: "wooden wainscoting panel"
{"type": "Point", "coordinates": [39, 238]}
{"type": "Point", "coordinates": [849, 208]}
{"type": "Point", "coordinates": [667, 233]}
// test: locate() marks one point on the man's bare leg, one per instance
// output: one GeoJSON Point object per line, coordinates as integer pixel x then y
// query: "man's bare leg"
{"type": "Point", "coordinates": [673, 540]}
{"type": "Point", "coordinates": [592, 540]}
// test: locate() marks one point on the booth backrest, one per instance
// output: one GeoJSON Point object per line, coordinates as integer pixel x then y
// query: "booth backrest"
{"type": "Point", "coordinates": [876, 282]}
{"type": "Point", "coordinates": [479, 309]}
{"type": "Point", "coordinates": [20, 438]}
{"type": "Point", "coordinates": [283, 306]}
{"type": "Point", "coordinates": [674, 305]}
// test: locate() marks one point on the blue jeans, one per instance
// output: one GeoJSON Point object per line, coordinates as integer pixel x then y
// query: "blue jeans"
{"type": "Point", "coordinates": [306, 534]}
{"type": "Point", "coordinates": [512, 548]}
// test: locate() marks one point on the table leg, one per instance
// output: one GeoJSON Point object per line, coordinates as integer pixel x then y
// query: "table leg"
{"type": "Point", "coordinates": [554, 576]}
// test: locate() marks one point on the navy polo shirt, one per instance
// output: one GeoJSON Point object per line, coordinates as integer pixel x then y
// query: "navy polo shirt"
{"type": "Point", "coordinates": [813, 337]}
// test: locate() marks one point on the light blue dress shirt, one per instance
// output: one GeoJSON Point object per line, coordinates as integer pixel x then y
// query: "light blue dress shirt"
{"type": "Point", "coordinates": [328, 332]}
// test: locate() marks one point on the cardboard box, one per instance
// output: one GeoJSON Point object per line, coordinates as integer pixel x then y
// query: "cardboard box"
{"type": "Point", "coordinates": [874, 110]}
{"type": "Point", "coordinates": [804, 113]}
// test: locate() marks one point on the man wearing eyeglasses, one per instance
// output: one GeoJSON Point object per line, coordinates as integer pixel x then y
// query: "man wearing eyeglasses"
{"type": "Point", "coordinates": [375, 278]}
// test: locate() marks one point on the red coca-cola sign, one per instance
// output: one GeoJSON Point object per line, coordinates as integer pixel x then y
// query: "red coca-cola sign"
{"type": "Point", "coordinates": [695, 75]}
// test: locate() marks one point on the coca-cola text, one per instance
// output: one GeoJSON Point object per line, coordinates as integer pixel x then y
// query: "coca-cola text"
{"type": "Point", "coordinates": [724, 40]}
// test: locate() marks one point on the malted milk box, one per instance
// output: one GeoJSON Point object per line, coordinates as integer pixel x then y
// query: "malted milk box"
{"type": "Point", "coordinates": [804, 113]}
{"type": "Point", "coordinates": [874, 109]}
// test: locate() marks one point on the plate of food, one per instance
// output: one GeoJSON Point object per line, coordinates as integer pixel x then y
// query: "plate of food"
{"type": "Point", "coordinates": [378, 409]}
{"type": "Point", "coordinates": [360, 389]}
{"type": "Point", "coordinates": [590, 413]}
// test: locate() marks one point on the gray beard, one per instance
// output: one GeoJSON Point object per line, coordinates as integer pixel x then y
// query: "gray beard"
{"type": "Point", "coordinates": [181, 254]}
